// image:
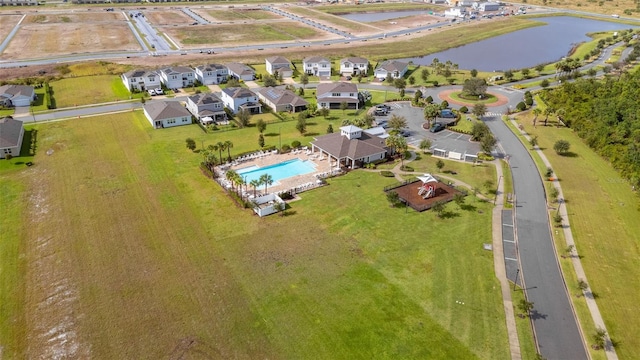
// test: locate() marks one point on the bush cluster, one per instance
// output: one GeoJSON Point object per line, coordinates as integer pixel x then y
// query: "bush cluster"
{"type": "Point", "coordinates": [387, 173]}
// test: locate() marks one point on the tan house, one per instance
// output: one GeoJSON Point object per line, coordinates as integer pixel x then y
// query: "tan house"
{"type": "Point", "coordinates": [282, 100]}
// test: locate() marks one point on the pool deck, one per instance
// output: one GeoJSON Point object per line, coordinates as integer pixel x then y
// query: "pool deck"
{"type": "Point", "coordinates": [301, 182]}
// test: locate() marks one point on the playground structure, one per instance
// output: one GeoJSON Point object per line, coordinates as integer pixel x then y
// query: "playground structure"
{"type": "Point", "coordinates": [420, 194]}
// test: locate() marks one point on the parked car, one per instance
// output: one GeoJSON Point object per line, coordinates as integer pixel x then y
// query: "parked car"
{"type": "Point", "coordinates": [446, 113]}
{"type": "Point", "coordinates": [151, 92]}
{"type": "Point", "coordinates": [437, 127]}
{"type": "Point", "coordinates": [159, 92]}
{"type": "Point", "coordinates": [380, 112]}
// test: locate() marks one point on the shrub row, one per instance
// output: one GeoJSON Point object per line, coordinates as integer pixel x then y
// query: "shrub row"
{"type": "Point", "coordinates": [47, 97]}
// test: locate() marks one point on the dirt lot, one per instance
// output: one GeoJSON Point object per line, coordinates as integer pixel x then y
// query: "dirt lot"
{"type": "Point", "coordinates": [58, 34]}
{"type": "Point", "coordinates": [7, 22]}
{"type": "Point", "coordinates": [168, 18]}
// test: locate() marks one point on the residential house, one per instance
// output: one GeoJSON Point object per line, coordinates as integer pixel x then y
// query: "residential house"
{"type": "Point", "coordinates": [394, 68]}
{"type": "Point", "coordinates": [317, 66]}
{"type": "Point", "coordinates": [177, 77]}
{"type": "Point", "coordinates": [241, 71]}
{"type": "Point", "coordinates": [282, 100]}
{"type": "Point", "coordinates": [141, 80]}
{"type": "Point", "coordinates": [331, 95]}
{"type": "Point", "coordinates": [354, 66]}
{"type": "Point", "coordinates": [16, 95]}
{"type": "Point", "coordinates": [280, 65]}
{"type": "Point", "coordinates": [455, 12]}
{"type": "Point", "coordinates": [459, 3]}
{"type": "Point", "coordinates": [351, 147]}
{"type": "Point", "coordinates": [212, 74]}
{"type": "Point", "coordinates": [11, 134]}
{"type": "Point", "coordinates": [486, 6]}
{"type": "Point", "coordinates": [18, 2]}
{"type": "Point", "coordinates": [164, 114]}
{"type": "Point", "coordinates": [237, 98]}
{"type": "Point", "coordinates": [207, 108]}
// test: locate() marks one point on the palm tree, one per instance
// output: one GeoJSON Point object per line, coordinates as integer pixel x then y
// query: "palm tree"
{"type": "Point", "coordinates": [547, 111]}
{"type": "Point", "coordinates": [231, 175]}
{"type": "Point", "coordinates": [431, 112]}
{"type": "Point", "coordinates": [397, 123]}
{"type": "Point", "coordinates": [255, 183]}
{"type": "Point", "coordinates": [220, 147]}
{"type": "Point", "coordinates": [266, 179]}
{"type": "Point", "coordinates": [401, 147]}
{"type": "Point", "coordinates": [536, 112]}
{"type": "Point", "coordinates": [228, 145]}
{"type": "Point", "coordinates": [392, 142]}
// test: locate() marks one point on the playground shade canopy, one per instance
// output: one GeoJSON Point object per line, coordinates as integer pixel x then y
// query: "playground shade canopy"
{"type": "Point", "coordinates": [427, 178]}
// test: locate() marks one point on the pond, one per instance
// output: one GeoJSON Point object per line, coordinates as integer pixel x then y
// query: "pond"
{"type": "Point", "coordinates": [380, 16]}
{"type": "Point", "coordinates": [524, 48]}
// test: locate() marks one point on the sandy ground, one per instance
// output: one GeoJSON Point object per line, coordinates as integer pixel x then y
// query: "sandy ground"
{"type": "Point", "coordinates": [59, 34]}
{"type": "Point", "coordinates": [7, 22]}
{"type": "Point", "coordinates": [168, 18]}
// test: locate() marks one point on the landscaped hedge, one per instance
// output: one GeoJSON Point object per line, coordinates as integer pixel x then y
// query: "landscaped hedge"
{"type": "Point", "coordinates": [387, 173]}
{"type": "Point", "coordinates": [48, 99]}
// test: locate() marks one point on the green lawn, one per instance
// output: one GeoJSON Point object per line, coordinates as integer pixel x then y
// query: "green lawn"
{"type": "Point", "coordinates": [597, 195]}
{"type": "Point", "coordinates": [88, 90]}
{"type": "Point", "coordinates": [161, 259]}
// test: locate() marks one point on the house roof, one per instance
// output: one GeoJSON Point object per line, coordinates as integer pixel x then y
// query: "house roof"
{"type": "Point", "coordinates": [341, 87]}
{"type": "Point", "coordinates": [393, 65]}
{"type": "Point", "coordinates": [11, 91]}
{"type": "Point", "coordinates": [177, 70]}
{"type": "Point", "coordinates": [10, 130]}
{"type": "Point", "coordinates": [160, 110]}
{"type": "Point", "coordinates": [278, 60]}
{"type": "Point", "coordinates": [340, 146]}
{"type": "Point", "coordinates": [139, 73]}
{"type": "Point", "coordinates": [315, 59]}
{"type": "Point", "coordinates": [205, 99]}
{"type": "Point", "coordinates": [240, 69]}
{"type": "Point", "coordinates": [282, 97]}
{"type": "Point", "coordinates": [211, 67]}
{"type": "Point", "coordinates": [354, 60]}
{"type": "Point", "coordinates": [238, 92]}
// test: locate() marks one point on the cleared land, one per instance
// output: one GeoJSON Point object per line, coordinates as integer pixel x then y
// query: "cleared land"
{"type": "Point", "coordinates": [54, 34]}
{"type": "Point", "coordinates": [603, 212]}
{"type": "Point", "coordinates": [168, 17]}
{"type": "Point", "coordinates": [7, 22]}
{"type": "Point", "coordinates": [245, 34]}
{"type": "Point", "coordinates": [355, 27]}
{"type": "Point", "coordinates": [129, 252]}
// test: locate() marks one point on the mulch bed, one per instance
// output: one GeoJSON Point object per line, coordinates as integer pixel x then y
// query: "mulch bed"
{"type": "Point", "coordinates": [409, 193]}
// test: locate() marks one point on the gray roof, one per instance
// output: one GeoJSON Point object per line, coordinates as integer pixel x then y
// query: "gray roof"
{"type": "Point", "coordinates": [238, 92]}
{"type": "Point", "coordinates": [139, 73]}
{"type": "Point", "coordinates": [282, 97]}
{"type": "Point", "coordinates": [240, 69]}
{"type": "Point", "coordinates": [340, 146]}
{"type": "Point", "coordinates": [336, 87]}
{"type": "Point", "coordinates": [393, 65]}
{"type": "Point", "coordinates": [205, 99]}
{"type": "Point", "coordinates": [211, 67]}
{"type": "Point", "coordinates": [160, 110]}
{"type": "Point", "coordinates": [315, 59]}
{"type": "Point", "coordinates": [10, 130]}
{"type": "Point", "coordinates": [10, 91]}
{"type": "Point", "coordinates": [277, 60]}
{"type": "Point", "coordinates": [354, 60]}
{"type": "Point", "coordinates": [177, 70]}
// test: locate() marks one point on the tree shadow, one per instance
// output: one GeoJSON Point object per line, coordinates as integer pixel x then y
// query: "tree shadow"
{"type": "Point", "coordinates": [569, 154]}
{"type": "Point", "coordinates": [289, 212]}
{"type": "Point", "coordinates": [311, 134]}
{"type": "Point", "coordinates": [271, 134]}
{"type": "Point", "coordinates": [449, 215]}
{"type": "Point", "coordinates": [591, 295]}
{"type": "Point", "coordinates": [535, 315]}
{"type": "Point", "coordinates": [468, 207]}
{"type": "Point", "coordinates": [332, 118]}
{"type": "Point", "coordinates": [311, 123]}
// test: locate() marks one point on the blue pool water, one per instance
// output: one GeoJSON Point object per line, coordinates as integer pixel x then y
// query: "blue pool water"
{"type": "Point", "coordinates": [279, 171]}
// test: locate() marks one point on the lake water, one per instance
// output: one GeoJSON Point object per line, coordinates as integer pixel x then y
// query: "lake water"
{"type": "Point", "coordinates": [380, 16]}
{"type": "Point", "coordinates": [524, 48]}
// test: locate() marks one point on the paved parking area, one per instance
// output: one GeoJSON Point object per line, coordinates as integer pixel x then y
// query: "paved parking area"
{"type": "Point", "coordinates": [445, 140]}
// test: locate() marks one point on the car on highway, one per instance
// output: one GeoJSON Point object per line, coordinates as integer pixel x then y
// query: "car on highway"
{"type": "Point", "coordinates": [436, 127]}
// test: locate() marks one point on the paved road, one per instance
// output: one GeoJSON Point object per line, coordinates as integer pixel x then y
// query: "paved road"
{"type": "Point", "coordinates": [553, 318]}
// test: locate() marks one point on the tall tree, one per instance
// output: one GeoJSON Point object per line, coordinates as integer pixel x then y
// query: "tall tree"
{"type": "Point", "coordinates": [344, 106]}
{"type": "Point", "coordinates": [431, 112]}
{"type": "Point", "coordinates": [479, 109]}
{"type": "Point", "coordinates": [231, 175]}
{"type": "Point", "coordinates": [536, 112]}
{"type": "Point", "coordinates": [244, 116]}
{"type": "Point", "coordinates": [228, 145]}
{"type": "Point", "coordinates": [255, 183]}
{"type": "Point", "coordinates": [301, 125]}
{"type": "Point", "coordinates": [266, 180]}
{"type": "Point", "coordinates": [191, 144]}
{"type": "Point", "coordinates": [304, 80]}
{"type": "Point", "coordinates": [396, 123]}
{"type": "Point", "coordinates": [220, 147]}
{"type": "Point", "coordinates": [261, 125]}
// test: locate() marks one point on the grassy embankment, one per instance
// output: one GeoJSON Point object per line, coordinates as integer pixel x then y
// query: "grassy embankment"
{"type": "Point", "coordinates": [160, 256]}
{"type": "Point", "coordinates": [595, 194]}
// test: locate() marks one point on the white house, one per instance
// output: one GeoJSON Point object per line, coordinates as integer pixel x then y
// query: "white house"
{"type": "Point", "coordinates": [279, 64]}
{"type": "Point", "coordinates": [16, 95]}
{"type": "Point", "coordinates": [352, 147]}
{"type": "Point", "coordinates": [177, 77]}
{"type": "Point", "coordinates": [455, 12]}
{"type": "Point", "coordinates": [395, 69]}
{"type": "Point", "coordinates": [282, 99]}
{"type": "Point", "coordinates": [11, 134]}
{"type": "Point", "coordinates": [206, 107]}
{"type": "Point", "coordinates": [241, 98]}
{"type": "Point", "coordinates": [241, 71]}
{"type": "Point", "coordinates": [316, 66]}
{"type": "Point", "coordinates": [212, 74]}
{"type": "Point", "coordinates": [486, 6]}
{"type": "Point", "coordinates": [354, 66]}
{"type": "Point", "coordinates": [141, 80]}
{"type": "Point", "coordinates": [331, 95]}
{"type": "Point", "coordinates": [164, 114]}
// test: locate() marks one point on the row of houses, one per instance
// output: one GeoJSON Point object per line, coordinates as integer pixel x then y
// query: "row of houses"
{"type": "Point", "coordinates": [210, 108]}
{"type": "Point", "coordinates": [211, 74]}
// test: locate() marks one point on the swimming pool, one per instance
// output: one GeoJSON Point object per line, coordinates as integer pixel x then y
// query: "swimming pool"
{"type": "Point", "coordinates": [279, 171]}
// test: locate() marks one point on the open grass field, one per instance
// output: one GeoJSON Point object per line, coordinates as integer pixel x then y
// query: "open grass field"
{"type": "Point", "coordinates": [596, 195]}
{"type": "Point", "coordinates": [49, 35]}
{"type": "Point", "coordinates": [333, 20]}
{"type": "Point", "coordinates": [246, 34]}
{"type": "Point", "coordinates": [128, 252]}
{"type": "Point", "coordinates": [88, 90]}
